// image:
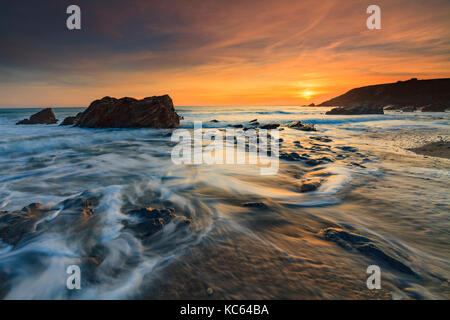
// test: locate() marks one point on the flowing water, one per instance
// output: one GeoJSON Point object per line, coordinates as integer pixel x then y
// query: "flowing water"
{"type": "Point", "coordinates": [372, 203]}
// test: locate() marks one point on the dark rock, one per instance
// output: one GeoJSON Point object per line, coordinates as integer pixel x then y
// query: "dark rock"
{"type": "Point", "coordinates": [356, 110]}
{"type": "Point", "coordinates": [68, 121]}
{"type": "Point", "coordinates": [413, 92]}
{"type": "Point", "coordinates": [150, 221]}
{"type": "Point", "coordinates": [298, 125]}
{"type": "Point", "coordinates": [309, 186]}
{"type": "Point", "coordinates": [365, 246]}
{"type": "Point", "coordinates": [311, 105]}
{"type": "Point", "coordinates": [435, 108]}
{"type": "Point", "coordinates": [270, 126]}
{"type": "Point", "coordinates": [293, 156]}
{"type": "Point", "coordinates": [214, 120]}
{"type": "Point", "coordinates": [259, 205]}
{"type": "Point", "coordinates": [237, 126]}
{"type": "Point", "coordinates": [155, 112]}
{"type": "Point", "coordinates": [253, 121]}
{"type": "Point", "coordinates": [401, 108]}
{"type": "Point", "coordinates": [45, 116]}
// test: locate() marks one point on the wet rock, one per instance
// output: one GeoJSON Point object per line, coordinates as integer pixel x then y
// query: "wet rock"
{"type": "Point", "coordinates": [402, 108]}
{"type": "Point", "coordinates": [365, 246]}
{"type": "Point", "coordinates": [45, 116]}
{"type": "Point", "coordinates": [253, 121]}
{"type": "Point", "coordinates": [322, 139]}
{"type": "Point", "coordinates": [314, 162]}
{"type": "Point", "coordinates": [309, 186]}
{"type": "Point", "coordinates": [155, 112]}
{"type": "Point", "coordinates": [68, 121]}
{"type": "Point", "coordinates": [18, 224]}
{"type": "Point", "coordinates": [435, 108]}
{"type": "Point", "coordinates": [214, 120]}
{"type": "Point", "coordinates": [150, 221]}
{"type": "Point", "coordinates": [298, 125]}
{"type": "Point", "coordinates": [258, 205]}
{"type": "Point", "coordinates": [270, 126]}
{"type": "Point", "coordinates": [355, 110]}
{"type": "Point", "coordinates": [293, 156]}
{"type": "Point", "coordinates": [237, 126]}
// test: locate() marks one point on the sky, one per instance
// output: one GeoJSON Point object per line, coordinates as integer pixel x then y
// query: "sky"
{"type": "Point", "coordinates": [209, 52]}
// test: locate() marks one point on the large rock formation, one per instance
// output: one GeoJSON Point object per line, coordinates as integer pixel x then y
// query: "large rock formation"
{"type": "Point", "coordinates": [71, 120]}
{"type": "Point", "coordinates": [412, 93]}
{"type": "Point", "coordinates": [155, 112]}
{"type": "Point", "coordinates": [356, 110]}
{"type": "Point", "coordinates": [45, 116]}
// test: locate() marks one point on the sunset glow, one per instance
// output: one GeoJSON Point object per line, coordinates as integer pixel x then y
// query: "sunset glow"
{"type": "Point", "coordinates": [217, 53]}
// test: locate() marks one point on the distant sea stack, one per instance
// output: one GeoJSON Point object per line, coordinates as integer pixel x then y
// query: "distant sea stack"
{"type": "Point", "coordinates": [45, 116]}
{"type": "Point", "coordinates": [154, 112]}
{"type": "Point", "coordinates": [432, 95]}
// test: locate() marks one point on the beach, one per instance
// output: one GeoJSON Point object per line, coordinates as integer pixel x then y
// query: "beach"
{"type": "Point", "coordinates": [363, 190]}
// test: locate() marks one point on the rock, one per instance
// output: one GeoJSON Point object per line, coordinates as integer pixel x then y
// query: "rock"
{"type": "Point", "coordinates": [214, 120]}
{"type": "Point", "coordinates": [293, 156]}
{"type": "Point", "coordinates": [401, 108]}
{"type": "Point", "coordinates": [298, 125]}
{"type": "Point", "coordinates": [17, 224]}
{"type": "Point", "coordinates": [412, 92]}
{"type": "Point", "coordinates": [45, 116]}
{"type": "Point", "coordinates": [253, 121]}
{"type": "Point", "coordinates": [259, 205]}
{"type": "Point", "coordinates": [311, 105]}
{"type": "Point", "coordinates": [367, 247]}
{"type": "Point", "coordinates": [435, 108]}
{"type": "Point", "coordinates": [237, 126]}
{"type": "Point", "coordinates": [150, 221]}
{"type": "Point", "coordinates": [309, 186]}
{"type": "Point", "coordinates": [68, 121]}
{"type": "Point", "coordinates": [356, 110]}
{"type": "Point", "coordinates": [209, 291]}
{"type": "Point", "coordinates": [154, 112]}
{"type": "Point", "coordinates": [270, 126]}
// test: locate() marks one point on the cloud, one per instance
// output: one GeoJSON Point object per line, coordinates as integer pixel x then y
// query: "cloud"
{"type": "Point", "coordinates": [215, 52]}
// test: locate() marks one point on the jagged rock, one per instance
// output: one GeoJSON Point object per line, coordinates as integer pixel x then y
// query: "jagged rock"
{"type": "Point", "coordinates": [302, 126]}
{"type": "Point", "coordinates": [401, 108]}
{"type": "Point", "coordinates": [311, 105]}
{"type": "Point", "coordinates": [68, 121]}
{"type": "Point", "coordinates": [45, 116]}
{"type": "Point", "coordinates": [356, 110]}
{"type": "Point", "coordinates": [435, 108]}
{"type": "Point", "coordinates": [150, 221]}
{"type": "Point", "coordinates": [155, 112]}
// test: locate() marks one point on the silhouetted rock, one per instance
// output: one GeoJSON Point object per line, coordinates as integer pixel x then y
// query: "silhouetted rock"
{"type": "Point", "coordinates": [214, 120]}
{"type": "Point", "coordinates": [356, 110]}
{"type": "Point", "coordinates": [311, 105]}
{"type": "Point", "coordinates": [45, 116]}
{"type": "Point", "coordinates": [400, 108]}
{"type": "Point", "coordinates": [435, 108]}
{"type": "Point", "coordinates": [71, 120]}
{"type": "Point", "coordinates": [253, 121]}
{"type": "Point", "coordinates": [270, 126]}
{"type": "Point", "coordinates": [413, 92]}
{"type": "Point", "coordinates": [155, 112]}
{"type": "Point", "coordinates": [302, 126]}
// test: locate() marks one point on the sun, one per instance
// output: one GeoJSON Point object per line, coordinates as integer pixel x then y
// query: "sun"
{"type": "Point", "coordinates": [307, 94]}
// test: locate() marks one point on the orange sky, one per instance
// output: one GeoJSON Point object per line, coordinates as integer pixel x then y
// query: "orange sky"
{"type": "Point", "coordinates": [238, 53]}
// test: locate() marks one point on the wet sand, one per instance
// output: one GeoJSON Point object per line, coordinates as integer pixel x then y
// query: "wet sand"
{"type": "Point", "coordinates": [439, 149]}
